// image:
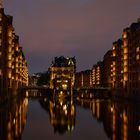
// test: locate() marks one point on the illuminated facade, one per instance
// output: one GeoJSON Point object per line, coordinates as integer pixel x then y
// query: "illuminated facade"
{"type": "Point", "coordinates": [131, 50]}
{"type": "Point", "coordinates": [120, 68]}
{"type": "Point", "coordinates": [78, 80]}
{"type": "Point", "coordinates": [126, 60]}
{"type": "Point", "coordinates": [62, 73]}
{"type": "Point", "coordinates": [13, 65]}
{"type": "Point", "coordinates": [121, 64]}
{"type": "Point", "coordinates": [83, 79]}
{"type": "Point", "coordinates": [87, 78]}
{"type": "Point", "coordinates": [97, 74]}
{"type": "Point", "coordinates": [90, 78]}
{"type": "Point", "coordinates": [107, 63]}
{"type": "Point", "coordinates": [117, 65]}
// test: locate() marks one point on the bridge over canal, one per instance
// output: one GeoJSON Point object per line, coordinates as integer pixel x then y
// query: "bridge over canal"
{"type": "Point", "coordinates": [85, 92]}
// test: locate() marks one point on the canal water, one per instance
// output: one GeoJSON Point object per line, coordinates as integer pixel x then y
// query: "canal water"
{"type": "Point", "coordinates": [41, 118]}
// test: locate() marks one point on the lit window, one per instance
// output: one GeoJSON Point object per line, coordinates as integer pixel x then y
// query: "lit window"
{"type": "Point", "coordinates": [9, 57]}
{"type": "Point", "coordinates": [17, 48]}
{"type": "Point", "coordinates": [9, 49]}
{"type": "Point", "coordinates": [125, 50]}
{"type": "Point", "coordinates": [9, 75]}
{"type": "Point", "coordinates": [113, 48]}
{"type": "Point", "coordinates": [124, 35]}
{"type": "Point", "coordinates": [125, 57]}
{"type": "Point", "coordinates": [98, 83]}
{"type": "Point", "coordinates": [114, 54]}
{"type": "Point", "coordinates": [125, 63]}
{"type": "Point", "coordinates": [9, 64]}
{"type": "Point", "coordinates": [125, 43]}
{"type": "Point", "coordinates": [125, 69]}
{"type": "Point", "coordinates": [125, 77]}
{"type": "Point", "coordinates": [114, 68]}
{"type": "Point", "coordinates": [10, 41]}
{"type": "Point", "coordinates": [10, 33]}
{"type": "Point", "coordinates": [98, 68]}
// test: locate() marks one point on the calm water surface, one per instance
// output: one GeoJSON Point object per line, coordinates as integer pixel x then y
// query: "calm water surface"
{"type": "Point", "coordinates": [82, 125]}
{"type": "Point", "coordinates": [42, 118]}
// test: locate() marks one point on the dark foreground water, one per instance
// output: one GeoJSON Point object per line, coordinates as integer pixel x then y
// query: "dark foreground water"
{"type": "Point", "coordinates": [41, 118]}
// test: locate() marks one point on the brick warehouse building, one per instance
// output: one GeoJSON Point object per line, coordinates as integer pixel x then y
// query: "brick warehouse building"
{"type": "Point", "coordinates": [13, 65]}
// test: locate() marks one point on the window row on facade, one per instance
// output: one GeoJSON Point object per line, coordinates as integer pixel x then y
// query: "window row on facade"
{"type": "Point", "coordinates": [120, 68]}
{"type": "Point", "coordinates": [13, 65]}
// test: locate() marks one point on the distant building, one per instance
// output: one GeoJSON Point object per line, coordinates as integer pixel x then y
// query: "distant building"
{"type": "Point", "coordinates": [78, 80]}
{"type": "Point", "coordinates": [33, 79]}
{"type": "Point", "coordinates": [87, 78]}
{"type": "Point", "coordinates": [62, 73]}
{"type": "Point", "coordinates": [124, 72]}
{"type": "Point", "coordinates": [117, 64]}
{"type": "Point", "coordinates": [97, 75]}
{"type": "Point", "coordinates": [107, 63]}
{"type": "Point", "coordinates": [83, 79]}
{"type": "Point", "coordinates": [131, 59]}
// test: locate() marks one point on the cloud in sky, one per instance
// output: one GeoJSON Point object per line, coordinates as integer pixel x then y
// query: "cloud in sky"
{"type": "Point", "coordinates": [81, 28]}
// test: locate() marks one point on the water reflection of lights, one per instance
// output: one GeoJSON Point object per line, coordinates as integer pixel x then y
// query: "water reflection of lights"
{"type": "Point", "coordinates": [66, 112]}
{"type": "Point", "coordinates": [26, 102]}
{"type": "Point", "coordinates": [121, 115]}
{"type": "Point", "coordinates": [62, 112]}
{"type": "Point", "coordinates": [13, 118]}
{"type": "Point", "coordinates": [70, 128]}
{"type": "Point", "coordinates": [14, 121]}
{"type": "Point", "coordinates": [111, 109]}
{"type": "Point", "coordinates": [61, 94]}
{"type": "Point", "coordinates": [139, 128]}
{"type": "Point", "coordinates": [61, 103]}
{"type": "Point", "coordinates": [27, 94]}
{"type": "Point", "coordinates": [64, 107]}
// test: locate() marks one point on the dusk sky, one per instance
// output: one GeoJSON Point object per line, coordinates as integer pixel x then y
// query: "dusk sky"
{"type": "Point", "coordinates": [81, 28]}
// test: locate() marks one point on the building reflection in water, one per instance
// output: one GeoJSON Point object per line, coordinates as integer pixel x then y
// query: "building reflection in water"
{"type": "Point", "coordinates": [121, 120]}
{"type": "Point", "coordinates": [13, 116]}
{"type": "Point", "coordinates": [62, 113]}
